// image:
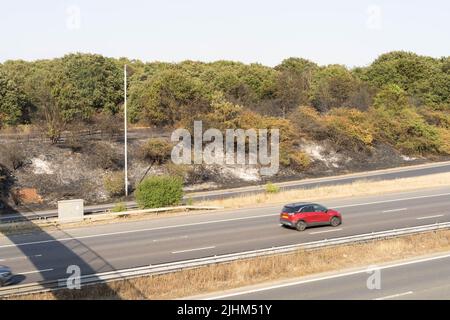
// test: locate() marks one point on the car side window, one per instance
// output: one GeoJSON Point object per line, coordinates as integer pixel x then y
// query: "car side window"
{"type": "Point", "coordinates": [307, 209]}
{"type": "Point", "coordinates": [318, 208]}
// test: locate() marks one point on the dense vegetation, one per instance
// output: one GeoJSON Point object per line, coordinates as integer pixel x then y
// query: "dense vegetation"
{"type": "Point", "coordinates": [402, 99]}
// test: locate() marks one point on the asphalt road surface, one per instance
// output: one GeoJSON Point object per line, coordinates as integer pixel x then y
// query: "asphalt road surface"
{"type": "Point", "coordinates": [46, 256]}
{"type": "Point", "coordinates": [424, 278]}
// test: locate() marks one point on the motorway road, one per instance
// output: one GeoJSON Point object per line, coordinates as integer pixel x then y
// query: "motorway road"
{"type": "Point", "coordinates": [386, 174]}
{"type": "Point", "coordinates": [46, 256]}
{"type": "Point", "coordinates": [423, 278]}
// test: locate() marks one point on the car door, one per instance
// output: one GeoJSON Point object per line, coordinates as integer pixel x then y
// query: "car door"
{"type": "Point", "coordinates": [308, 214]}
{"type": "Point", "coordinates": [321, 214]}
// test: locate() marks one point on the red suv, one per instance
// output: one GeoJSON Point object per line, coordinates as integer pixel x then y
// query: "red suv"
{"type": "Point", "coordinates": [304, 214]}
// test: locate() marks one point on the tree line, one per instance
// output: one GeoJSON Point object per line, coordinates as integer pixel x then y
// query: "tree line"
{"type": "Point", "coordinates": [401, 98]}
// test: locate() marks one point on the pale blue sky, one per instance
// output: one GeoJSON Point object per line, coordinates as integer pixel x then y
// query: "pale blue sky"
{"type": "Point", "coordinates": [349, 32]}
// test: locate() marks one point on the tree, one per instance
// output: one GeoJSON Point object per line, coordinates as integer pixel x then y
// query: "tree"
{"type": "Point", "coordinates": [291, 91]}
{"type": "Point", "coordinates": [425, 79]}
{"type": "Point", "coordinates": [391, 97]}
{"type": "Point", "coordinates": [12, 101]}
{"type": "Point", "coordinates": [87, 83]}
{"type": "Point", "coordinates": [332, 87]}
{"type": "Point", "coordinates": [166, 98]}
{"type": "Point", "coordinates": [49, 112]}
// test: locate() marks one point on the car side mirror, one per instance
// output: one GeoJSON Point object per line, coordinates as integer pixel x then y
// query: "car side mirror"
{"type": "Point", "coordinates": [326, 211]}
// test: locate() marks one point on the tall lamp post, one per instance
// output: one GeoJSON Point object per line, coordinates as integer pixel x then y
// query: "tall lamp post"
{"type": "Point", "coordinates": [125, 129]}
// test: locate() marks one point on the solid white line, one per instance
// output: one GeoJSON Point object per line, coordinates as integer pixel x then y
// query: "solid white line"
{"type": "Point", "coordinates": [201, 223]}
{"type": "Point", "coordinates": [196, 249]}
{"type": "Point", "coordinates": [395, 210]}
{"type": "Point", "coordinates": [37, 271]}
{"type": "Point", "coordinates": [394, 296]}
{"type": "Point", "coordinates": [340, 275]}
{"type": "Point", "coordinates": [393, 200]}
{"type": "Point", "coordinates": [326, 231]}
{"type": "Point", "coordinates": [430, 217]}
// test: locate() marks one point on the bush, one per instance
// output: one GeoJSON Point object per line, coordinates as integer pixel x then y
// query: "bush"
{"type": "Point", "coordinates": [114, 184]}
{"type": "Point", "coordinates": [159, 191]}
{"type": "Point", "coordinates": [349, 127]}
{"type": "Point", "coordinates": [104, 156]}
{"type": "Point", "coordinates": [119, 207]}
{"type": "Point", "coordinates": [156, 150]}
{"type": "Point", "coordinates": [12, 155]}
{"type": "Point", "coordinates": [299, 160]}
{"type": "Point", "coordinates": [272, 188]}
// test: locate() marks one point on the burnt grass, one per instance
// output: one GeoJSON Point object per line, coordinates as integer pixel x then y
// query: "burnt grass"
{"type": "Point", "coordinates": [76, 169]}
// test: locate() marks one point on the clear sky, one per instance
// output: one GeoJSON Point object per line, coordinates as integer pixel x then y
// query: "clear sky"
{"type": "Point", "coordinates": [351, 32]}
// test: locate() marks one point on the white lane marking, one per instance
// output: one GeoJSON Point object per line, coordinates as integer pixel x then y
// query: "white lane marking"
{"type": "Point", "coordinates": [430, 217]}
{"type": "Point", "coordinates": [19, 258]}
{"type": "Point", "coordinates": [169, 239]}
{"type": "Point", "coordinates": [395, 296]}
{"type": "Point", "coordinates": [326, 231]}
{"type": "Point", "coordinates": [395, 210]}
{"type": "Point", "coordinates": [393, 200]}
{"type": "Point", "coordinates": [196, 249]}
{"type": "Point", "coordinates": [133, 231]}
{"type": "Point", "coordinates": [200, 223]}
{"type": "Point", "coordinates": [340, 275]}
{"type": "Point", "coordinates": [36, 271]}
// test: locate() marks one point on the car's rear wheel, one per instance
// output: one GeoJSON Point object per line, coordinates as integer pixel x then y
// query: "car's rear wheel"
{"type": "Point", "coordinates": [301, 226]}
{"type": "Point", "coordinates": [335, 221]}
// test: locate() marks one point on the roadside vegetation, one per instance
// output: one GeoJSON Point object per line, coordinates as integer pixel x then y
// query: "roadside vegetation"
{"type": "Point", "coordinates": [398, 106]}
{"type": "Point", "coordinates": [358, 188]}
{"type": "Point", "coordinates": [402, 99]}
{"type": "Point", "coordinates": [159, 191]}
{"type": "Point", "coordinates": [258, 270]}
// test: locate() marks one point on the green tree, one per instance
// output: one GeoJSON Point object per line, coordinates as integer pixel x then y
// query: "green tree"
{"type": "Point", "coordinates": [332, 87]}
{"type": "Point", "coordinates": [87, 83]}
{"type": "Point", "coordinates": [12, 100]}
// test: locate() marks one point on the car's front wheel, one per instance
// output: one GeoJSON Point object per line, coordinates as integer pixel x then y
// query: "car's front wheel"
{"type": "Point", "coordinates": [301, 226]}
{"type": "Point", "coordinates": [335, 221]}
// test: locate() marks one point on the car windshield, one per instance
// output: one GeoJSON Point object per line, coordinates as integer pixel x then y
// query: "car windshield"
{"type": "Point", "coordinates": [289, 209]}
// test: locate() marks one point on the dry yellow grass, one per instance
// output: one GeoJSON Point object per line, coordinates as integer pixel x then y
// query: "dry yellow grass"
{"type": "Point", "coordinates": [359, 188]}
{"type": "Point", "coordinates": [240, 273]}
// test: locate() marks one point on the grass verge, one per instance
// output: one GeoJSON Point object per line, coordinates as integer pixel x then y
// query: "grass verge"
{"type": "Point", "coordinates": [358, 188]}
{"type": "Point", "coordinates": [257, 270]}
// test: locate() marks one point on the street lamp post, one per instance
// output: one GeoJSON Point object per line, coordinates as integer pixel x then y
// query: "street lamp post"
{"type": "Point", "coordinates": [125, 129]}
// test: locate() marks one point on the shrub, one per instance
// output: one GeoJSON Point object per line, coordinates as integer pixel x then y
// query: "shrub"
{"type": "Point", "coordinates": [119, 207]}
{"type": "Point", "coordinates": [156, 150]}
{"type": "Point", "coordinates": [104, 156]}
{"type": "Point", "coordinates": [12, 155]}
{"type": "Point", "coordinates": [114, 184]}
{"type": "Point", "coordinates": [272, 188]}
{"type": "Point", "coordinates": [299, 160]}
{"type": "Point", "coordinates": [159, 191]}
{"type": "Point", "coordinates": [349, 127]}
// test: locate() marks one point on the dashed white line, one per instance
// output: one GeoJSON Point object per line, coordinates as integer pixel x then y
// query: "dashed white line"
{"type": "Point", "coordinates": [395, 210]}
{"type": "Point", "coordinates": [201, 223]}
{"type": "Point", "coordinates": [36, 271]}
{"type": "Point", "coordinates": [326, 231]}
{"type": "Point", "coordinates": [395, 295]}
{"type": "Point", "coordinates": [196, 249]}
{"type": "Point", "coordinates": [430, 217]}
{"type": "Point", "coordinates": [169, 239]}
{"type": "Point", "coordinates": [20, 258]}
